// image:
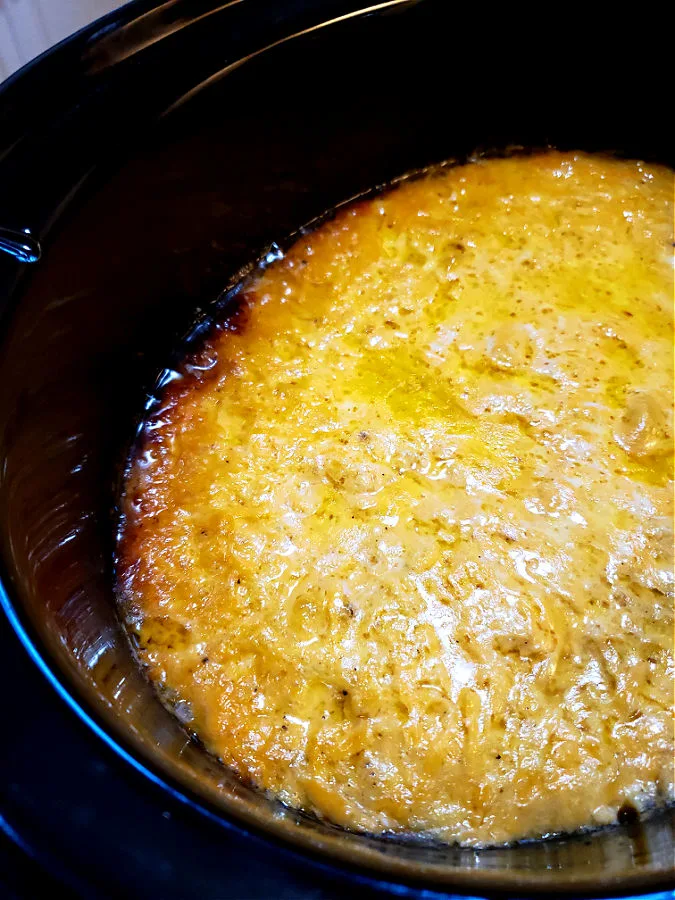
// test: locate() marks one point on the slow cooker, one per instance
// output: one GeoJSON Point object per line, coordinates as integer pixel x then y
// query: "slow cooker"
{"type": "Point", "coordinates": [143, 162]}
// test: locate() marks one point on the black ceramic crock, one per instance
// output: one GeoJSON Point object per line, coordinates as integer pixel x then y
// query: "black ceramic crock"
{"type": "Point", "coordinates": [153, 155]}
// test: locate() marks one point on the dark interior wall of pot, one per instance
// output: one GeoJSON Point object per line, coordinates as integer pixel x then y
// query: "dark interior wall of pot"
{"type": "Point", "coordinates": [176, 207]}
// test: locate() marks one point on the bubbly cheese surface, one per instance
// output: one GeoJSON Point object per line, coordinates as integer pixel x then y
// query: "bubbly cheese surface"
{"type": "Point", "coordinates": [400, 537]}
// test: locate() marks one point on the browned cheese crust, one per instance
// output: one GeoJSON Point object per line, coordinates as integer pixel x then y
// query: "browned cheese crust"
{"type": "Point", "coordinates": [404, 547]}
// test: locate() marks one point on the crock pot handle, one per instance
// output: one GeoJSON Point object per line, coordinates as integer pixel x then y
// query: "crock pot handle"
{"type": "Point", "coordinates": [20, 244]}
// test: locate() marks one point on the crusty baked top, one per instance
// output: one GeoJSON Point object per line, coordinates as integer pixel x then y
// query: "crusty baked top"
{"type": "Point", "coordinates": [401, 537]}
